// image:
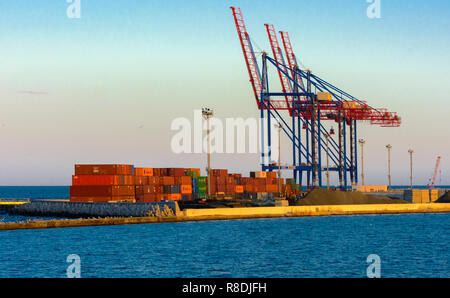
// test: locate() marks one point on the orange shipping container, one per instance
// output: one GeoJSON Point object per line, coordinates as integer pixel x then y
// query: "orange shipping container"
{"type": "Point", "coordinates": [174, 197]}
{"type": "Point", "coordinates": [239, 189]}
{"type": "Point", "coordinates": [143, 171]}
{"type": "Point", "coordinates": [186, 189]}
{"type": "Point", "coordinates": [272, 188]}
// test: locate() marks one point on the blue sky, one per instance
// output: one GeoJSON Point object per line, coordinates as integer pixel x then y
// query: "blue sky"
{"type": "Point", "coordinates": [104, 88]}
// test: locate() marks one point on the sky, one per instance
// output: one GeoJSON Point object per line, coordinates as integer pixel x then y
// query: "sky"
{"type": "Point", "coordinates": [105, 88]}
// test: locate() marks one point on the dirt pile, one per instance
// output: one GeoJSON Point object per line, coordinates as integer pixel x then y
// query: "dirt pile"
{"type": "Point", "coordinates": [445, 198]}
{"type": "Point", "coordinates": [322, 196]}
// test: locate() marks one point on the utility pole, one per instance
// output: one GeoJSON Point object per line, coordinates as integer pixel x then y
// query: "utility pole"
{"type": "Point", "coordinates": [410, 151]}
{"type": "Point", "coordinates": [389, 147]}
{"type": "Point", "coordinates": [328, 164]}
{"type": "Point", "coordinates": [207, 114]}
{"type": "Point", "coordinates": [362, 142]}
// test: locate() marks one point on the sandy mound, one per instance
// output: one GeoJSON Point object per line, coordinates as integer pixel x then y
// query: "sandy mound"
{"type": "Point", "coordinates": [322, 196]}
{"type": "Point", "coordinates": [445, 198]}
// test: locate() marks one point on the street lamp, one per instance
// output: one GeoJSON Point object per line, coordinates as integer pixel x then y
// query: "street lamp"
{"type": "Point", "coordinates": [362, 142]}
{"type": "Point", "coordinates": [207, 114]}
{"type": "Point", "coordinates": [389, 147]}
{"type": "Point", "coordinates": [328, 164]}
{"type": "Point", "coordinates": [410, 151]}
{"type": "Point", "coordinates": [280, 127]}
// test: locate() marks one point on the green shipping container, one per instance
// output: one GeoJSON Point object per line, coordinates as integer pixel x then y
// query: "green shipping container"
{"type": "Point", "coordinates": [192, 174]}
{"type": "Point", "coordinates": [202, 196]}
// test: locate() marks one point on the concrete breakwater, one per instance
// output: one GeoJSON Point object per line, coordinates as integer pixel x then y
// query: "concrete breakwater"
{"type": "Point", "coordinates": [239, 213]}
{"type": "Point", "coordinates": [84, 209]}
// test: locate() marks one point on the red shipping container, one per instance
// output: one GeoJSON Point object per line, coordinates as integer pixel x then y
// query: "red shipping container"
{"type": "Point", "coordinates": [104, 169]}
{"type": "Point", "coordinates": [97, 180]}
{"type": "Point", "coordinates": [140, 180]}
{"type": "Point", "coordinates": [100, 191]}
{"type": "Point", "coordinates": [185, 180]}
{"type": "Point", "coordinates": [260, 181]}
{"type": "Point", "coordinates": [221, 179]}
{"type": "Point", "coordinates": [229, 188]}
{"type": "Point", "coordinates": [154, 180]}
{"type": "Point", "coordinates": [249, 187]}
{"type": "Point", "coordinates": [167, 180]}
{"type": "Point", "coordinates": [147, 198]}
{"type": "Point", "coordinates": [221, 188]}
{"type": "Point", "coordinates": [260, 188]}
{"type": "Point", "coordinates": [102, 180]}
{"type": "Point", "coordinates": [148, 189]}
{"type": "Point", "coordinates": [176, 172]}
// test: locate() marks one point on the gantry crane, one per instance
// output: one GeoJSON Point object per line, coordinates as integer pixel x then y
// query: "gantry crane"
{"type": "Point", "coordinates": [307, 108]}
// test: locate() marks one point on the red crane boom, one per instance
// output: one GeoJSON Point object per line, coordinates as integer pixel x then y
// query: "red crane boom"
{"type": "Point", "coordinates": [292, 61]}
{"type": "Point", "coordinates": [278, 56]}
{"type": "Point", "coordinates": [249, 54]}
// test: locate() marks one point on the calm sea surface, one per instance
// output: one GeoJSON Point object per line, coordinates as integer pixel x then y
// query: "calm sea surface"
{"type": "Point", "coordinates": [413, 245]}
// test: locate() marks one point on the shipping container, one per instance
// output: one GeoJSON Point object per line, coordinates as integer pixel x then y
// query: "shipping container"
{"type": "Point", "coordinates": [324, 96]}
{"type": "Point", "coordinates": [102, 180]}
{"type": "Point", "coordinates": [114, 169]}
{"type": "Point", "coordinates": [143, 171]}
{"type": "Point", "coordinates": [145, 198]}
{"type": "Point", "coordinates": [148, 189]}
{"type": "Point", "coordinates": [186, 189]}
{"type": "Point", "coordinates": [167, 180]}
{"type": "Point", "coordinates": [141, 180]}
{"type": "Point", "coordinates": [176, 172]}
{"type": "Point", "coordinates": [239, 189]}
{"type": "Point", "coordinates": [174, 197]}
{"type": "Point", "coordinates": [101, 190]}
{"type": "Point", "coordinates": [171, 189]}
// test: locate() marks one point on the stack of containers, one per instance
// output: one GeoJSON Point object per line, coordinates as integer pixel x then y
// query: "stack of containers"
{"type": "Point", "coordinates": [103, 183]}
{"type": "Point", "coordinates": [99, 183]}
{"type": "Point", "coordinates": [202, 187]}
{"type": "Point", "coordinates": [147, 187]}
{"type": "Point", "coordinates": [194, 174]}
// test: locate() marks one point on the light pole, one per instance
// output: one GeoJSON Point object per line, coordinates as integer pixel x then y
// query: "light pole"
{"type": "Point", "coordinates": [410, 151]}
{"type": "Point", "coordinates": [362, 142]}
{"type": "Point", "coordinates": [207, 114]}
{"type": "Point", "coordinates": [328, 164]}
{"type": "Point", "coordinates": [389, 147]}
{"type": "Point", "coordinates": [279, 158]}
